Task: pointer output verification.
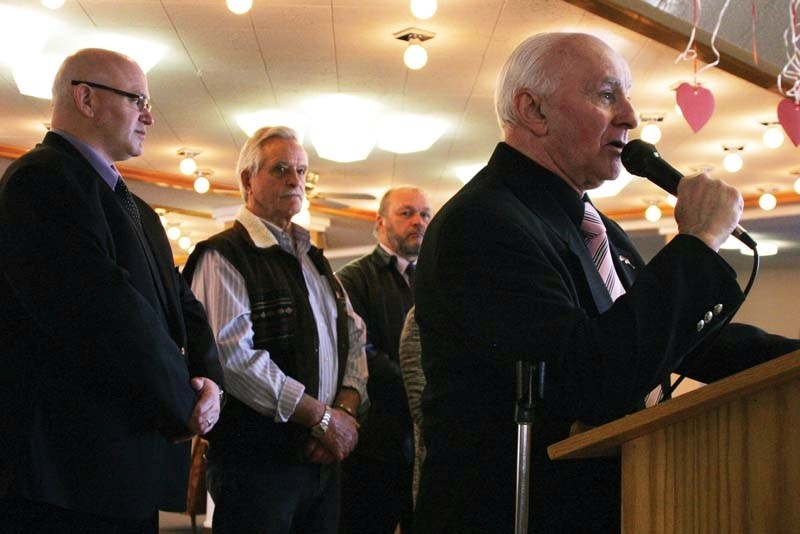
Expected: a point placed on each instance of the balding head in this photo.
(93, 64)
(104, 118)
(563, 100)
(536, 64)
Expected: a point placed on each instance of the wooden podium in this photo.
(723, 458)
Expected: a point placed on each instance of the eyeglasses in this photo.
(142, 102)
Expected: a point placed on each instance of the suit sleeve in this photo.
(63, 261)
(385, 381)
(202, 349)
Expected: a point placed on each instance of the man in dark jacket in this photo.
(377, 478)
(506, 274)
(107, 357)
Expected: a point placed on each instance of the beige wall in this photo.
(774, 302)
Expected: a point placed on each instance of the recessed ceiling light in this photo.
(239, 7)
(652, 213)
(423, 9)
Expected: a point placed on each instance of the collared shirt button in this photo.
(700, 325)
(718, 309)
(708, 316)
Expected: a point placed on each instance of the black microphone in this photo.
(642, 159)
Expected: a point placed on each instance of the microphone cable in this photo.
(753, 273)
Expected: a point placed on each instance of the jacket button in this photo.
(708, 316)
(183, 351)
(700, 325)
(718, 309)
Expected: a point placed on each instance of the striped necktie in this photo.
(594, 235)
(596, 240)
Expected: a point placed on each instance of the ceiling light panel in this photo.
(406, 133)
(344, 127)
(250, 122)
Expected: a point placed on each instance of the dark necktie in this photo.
(410, 270)
(127, 201)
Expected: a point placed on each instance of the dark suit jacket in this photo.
(99, 338)
(503, 276)
(381, 296)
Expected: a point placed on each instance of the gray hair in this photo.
(529, 66)
(250, 155)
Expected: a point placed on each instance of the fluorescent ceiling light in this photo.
(731, 244)
(765, 248)
(52, 4)
(250, 122)
(406, 133)
(465, 173)
(34, 76)
(23, 33)
(343, 128)
(146, 53)
(611, 188)
(31, 46)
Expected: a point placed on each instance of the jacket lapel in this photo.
(54, 140)
(538, 199)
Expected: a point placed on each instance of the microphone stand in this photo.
(530, 397)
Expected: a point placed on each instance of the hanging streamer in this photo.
(714, 39)
(789, 107)
(690, 54)
(753, 30)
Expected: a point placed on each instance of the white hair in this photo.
(250, 155)
(529, 66)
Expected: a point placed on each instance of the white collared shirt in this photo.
(250, 374)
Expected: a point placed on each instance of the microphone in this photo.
(642, 159)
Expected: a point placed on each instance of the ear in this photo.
(82, 96)
(528, 106)
(245, 177)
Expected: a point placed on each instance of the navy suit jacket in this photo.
(99, 336)
(504, 275)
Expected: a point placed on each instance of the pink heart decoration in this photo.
(789, 117)
(697, 105)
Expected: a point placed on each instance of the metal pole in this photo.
(529, 391)
(523, 477)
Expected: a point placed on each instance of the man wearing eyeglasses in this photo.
(107, 357)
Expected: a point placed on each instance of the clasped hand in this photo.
(337, 443)
(206, 410)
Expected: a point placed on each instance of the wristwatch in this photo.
(320, 428)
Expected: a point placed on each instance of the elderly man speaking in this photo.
(519, 265)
